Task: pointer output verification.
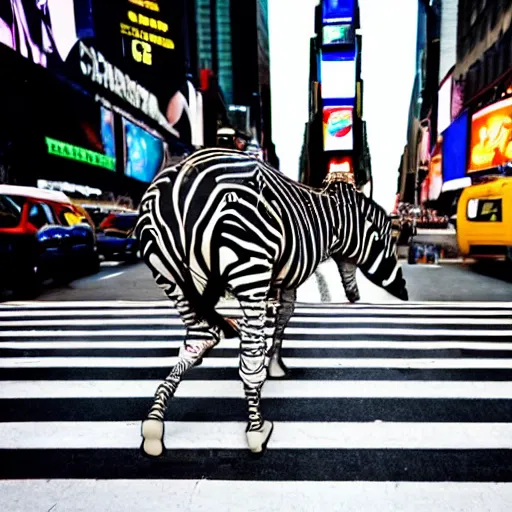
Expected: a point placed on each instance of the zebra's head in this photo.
(365, 237)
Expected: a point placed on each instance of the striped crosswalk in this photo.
(378, 393)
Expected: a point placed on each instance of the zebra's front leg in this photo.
(257, 333)
(276, 368)
(200, 338)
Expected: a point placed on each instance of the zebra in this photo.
(222, 220)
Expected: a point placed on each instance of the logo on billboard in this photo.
(338, 125)
(491, 137)
(94, 65)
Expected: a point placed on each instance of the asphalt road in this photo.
(444, 282)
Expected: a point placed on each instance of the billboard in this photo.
(338, 75)
(444, 115)
(338, 34)
(336, 11)
(81, 131)
(143, 152)
(491, 137)
(338, 128)
(455, 149)
(131, 52)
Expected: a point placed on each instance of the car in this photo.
(116, 238)
(42, 235)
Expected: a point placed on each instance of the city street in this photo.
(406, 401)
(444, 282)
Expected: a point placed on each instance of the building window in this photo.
(224, 53)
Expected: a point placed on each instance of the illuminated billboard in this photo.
(336, 11)
(81, 131)
(338, 34)
(444, 116)
(130, 52)
(338, 75)
(491, 137)
(338, 128)
(144, 152)
(455, 148)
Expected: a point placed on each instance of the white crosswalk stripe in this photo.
(418, 392)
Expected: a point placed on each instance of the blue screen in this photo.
(334, 11)
(455, 149)
(144, 153)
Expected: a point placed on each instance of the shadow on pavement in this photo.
(496, 269)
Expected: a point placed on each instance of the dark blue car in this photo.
(116, 239)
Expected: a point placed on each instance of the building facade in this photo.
(335, 139)
(472, 104)
(234, 55)
(103, 94)
(96, 93)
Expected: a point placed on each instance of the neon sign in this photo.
(94, 65)
(142, 40)
(86, 156)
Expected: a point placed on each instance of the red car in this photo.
(42, 235)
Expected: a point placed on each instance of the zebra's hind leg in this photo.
(256, 339)
(276, 368)
(199, 339)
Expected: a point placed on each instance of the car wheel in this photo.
(93, 266)
(29, 285)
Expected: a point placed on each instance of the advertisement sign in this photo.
(338, 34)
(338, 128)
(132, 52)
(491, 137)
(336, 11)
(444, 116)
(338, 75)
(144, 152)
(81, 131)
(455, 148)
(341, 164)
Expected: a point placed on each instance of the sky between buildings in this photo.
(389, 47)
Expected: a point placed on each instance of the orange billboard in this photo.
(491, 137)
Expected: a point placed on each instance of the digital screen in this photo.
(65, 150)
(144, 153)
(338, 128)
(338, 75)
(338, 34)
(81, 131)
(491, 137)
(341, 164)
(455, 147)
(335, 11)
(444, 116)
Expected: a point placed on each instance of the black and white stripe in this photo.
(225, 221)
(422, 393)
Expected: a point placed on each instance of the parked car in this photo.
(116, 238)
(42, 235)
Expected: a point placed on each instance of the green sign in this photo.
(65, 150)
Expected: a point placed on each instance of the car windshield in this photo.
(10, 211)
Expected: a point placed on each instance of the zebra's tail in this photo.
(204, 305)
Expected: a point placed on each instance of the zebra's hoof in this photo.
(277, 369)
(258, 439)
(153, 438)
